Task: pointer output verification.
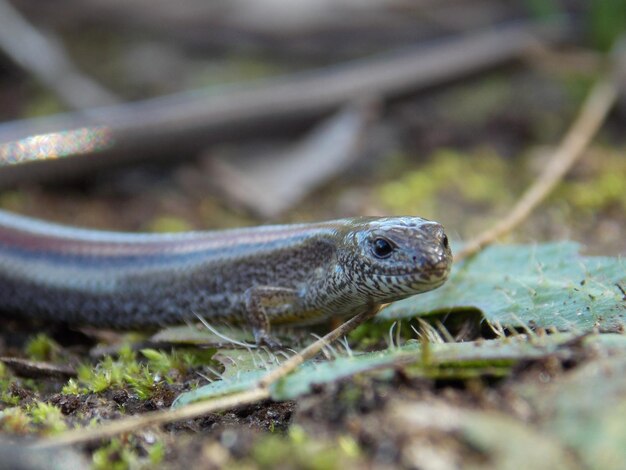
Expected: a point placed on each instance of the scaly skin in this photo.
(296, 274)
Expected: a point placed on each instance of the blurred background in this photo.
(163, 116)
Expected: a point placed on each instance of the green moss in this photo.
(600, 187)
(48, 417)
(42, 348)
(123, 454)
(15, 421)
(72, 388)
(108, 372)
(7, 398)
(299, 450)
(370, 334)
(100, 377)
(156, 453)
(349, 446)
(178, 361)
(478, 178)
(39, 417)
(367, 334)
(160, 360)
(144, 383)
(297, 435)
(6, 380)
(114, 456)
(112, 372)
(607, 189)
(143, 377)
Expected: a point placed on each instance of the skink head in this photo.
(393, 257)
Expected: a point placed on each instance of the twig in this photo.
(132, 423)
(273, 182)
(260, 392)
(188, 121)
(43, 56)
(37, 369)
(311, 350)
(592, 114)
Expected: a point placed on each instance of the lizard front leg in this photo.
(264, 302)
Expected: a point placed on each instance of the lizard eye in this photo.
(382, 248)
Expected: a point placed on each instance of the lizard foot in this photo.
(263, 338)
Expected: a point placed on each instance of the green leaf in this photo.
(240, 383)
(450, 360)
(238, 361)
(545, 285)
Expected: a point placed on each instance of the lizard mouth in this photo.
(431, 277)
